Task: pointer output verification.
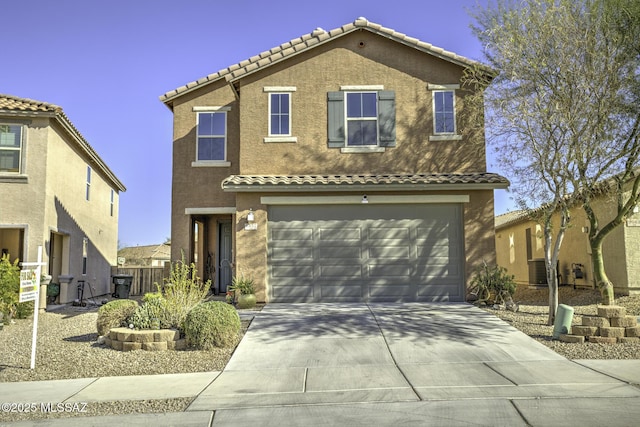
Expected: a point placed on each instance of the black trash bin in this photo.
(122, 286)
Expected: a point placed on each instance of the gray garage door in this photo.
(334, 253)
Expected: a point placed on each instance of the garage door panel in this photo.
(388, 233)
(389, 270)
(366, 252)
(387, 251)
(333, 272)
(289, 253)
(294, 234)
(339, 252)
(297, 290)
(341, 234)
(294, 271)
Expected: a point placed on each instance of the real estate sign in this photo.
(29, 284)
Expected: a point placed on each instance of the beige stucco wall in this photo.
(68, 212)
(51, 198)
(314, 74)
(620, 249)
(199, 187)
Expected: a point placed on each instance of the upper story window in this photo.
(88, 192)
(444, 112)
(211, 144)
(444, 115)
(361, 119)
(11, 148)
(280, 113)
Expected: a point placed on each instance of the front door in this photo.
(225, 256)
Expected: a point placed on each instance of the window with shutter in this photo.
(361, 118)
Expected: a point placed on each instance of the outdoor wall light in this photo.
(250, 216)
(585, 230)
(364, 199)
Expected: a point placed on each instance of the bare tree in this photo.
(562, 111)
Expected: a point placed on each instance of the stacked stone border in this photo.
(612, 325)
(125, 339)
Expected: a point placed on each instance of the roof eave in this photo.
(295, 188)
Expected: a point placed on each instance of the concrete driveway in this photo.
(411, 357)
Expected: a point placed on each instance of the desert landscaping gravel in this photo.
(68, 348)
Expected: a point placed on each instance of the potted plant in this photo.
(244, 292)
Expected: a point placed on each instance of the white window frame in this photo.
(88, 191)
(444, 136)
(280, 90)
(19, 149)
(347, 119)
(112, 202)
(212, 163)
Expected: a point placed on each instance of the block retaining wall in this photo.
(125, 339)
(610, 326)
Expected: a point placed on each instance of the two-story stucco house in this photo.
(332, 168)
(56, 192)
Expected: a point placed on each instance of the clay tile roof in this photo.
(509, 218)
(347, 182)
(8, 102)
(308, 41)
(15, 105)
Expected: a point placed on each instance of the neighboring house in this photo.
(145, 256)
(332, 168)
(56, 192)
(520, 249)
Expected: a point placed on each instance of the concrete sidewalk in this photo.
(376, 364)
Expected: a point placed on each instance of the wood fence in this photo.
(144, 278)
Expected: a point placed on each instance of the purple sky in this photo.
(107, 62)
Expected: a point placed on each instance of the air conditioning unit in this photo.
(537, 272)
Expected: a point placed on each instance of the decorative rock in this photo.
(633, 331)
(129, 346)
(142, 336)
(610, 311)
(612, 332)
(166, 335)
(585, 331)
(572, 338)
(124, 335)
(624, 322)
(155, 346)
(603, 340)
(595, 321)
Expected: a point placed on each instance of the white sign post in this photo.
(30, 291)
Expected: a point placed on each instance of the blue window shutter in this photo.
(335, 119)
(387, 118)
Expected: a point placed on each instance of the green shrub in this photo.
(494, 283)
(115, 314)
(152, 314)
(212, 324)
(182, 291)
(10, 291)
(242, 285)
